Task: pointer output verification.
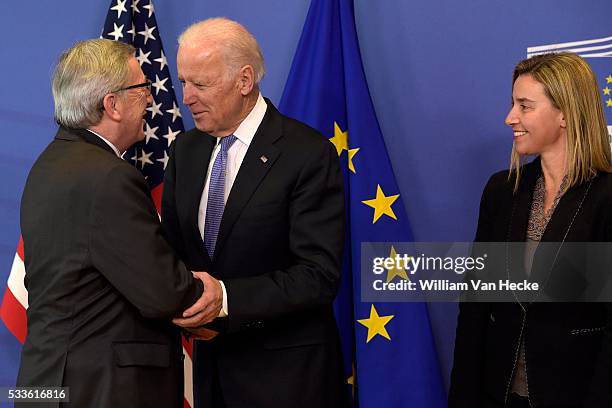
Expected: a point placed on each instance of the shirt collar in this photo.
(246, 130)
(112, 146)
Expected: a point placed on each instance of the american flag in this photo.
(132, 22)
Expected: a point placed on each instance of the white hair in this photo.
(84, 75)
(237, 44)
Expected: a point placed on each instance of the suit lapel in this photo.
(555, 233)
(564, 213)
(259, 159)
(517, 229)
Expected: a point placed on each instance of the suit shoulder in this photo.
(190, 141)
(103, 166)
(602, 185)
(498, 190)
(189, 137)
(79, 159)
(604, 178)
(302, 134)
(499, 181)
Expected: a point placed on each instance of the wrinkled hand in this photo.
(207, 308)
(200, 333)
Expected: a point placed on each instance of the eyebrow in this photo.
(521, 100)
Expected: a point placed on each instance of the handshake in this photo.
(205, 310)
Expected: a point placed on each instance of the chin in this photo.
(523, 150)
(203, 128)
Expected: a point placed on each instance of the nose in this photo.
(512, 118)
(188, 96)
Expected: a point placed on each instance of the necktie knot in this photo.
(227, 142)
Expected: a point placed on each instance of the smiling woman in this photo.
(539, 127)
(566, 112)
(503, 354)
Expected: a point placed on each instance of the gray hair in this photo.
(237, 44)
(84, 75)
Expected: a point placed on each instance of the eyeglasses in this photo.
(146, 85)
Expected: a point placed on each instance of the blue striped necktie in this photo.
(216, 193)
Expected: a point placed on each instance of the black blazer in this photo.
(278, 253)
(568, 346)
(102, 282)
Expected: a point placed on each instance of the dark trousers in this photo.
(516, 401)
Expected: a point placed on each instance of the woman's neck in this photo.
(554, 168)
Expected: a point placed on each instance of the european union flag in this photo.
(602, 66)
(388, 347)
(598, 53)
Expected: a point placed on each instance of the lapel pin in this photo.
(263, 159)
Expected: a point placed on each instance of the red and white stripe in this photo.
(15, 300)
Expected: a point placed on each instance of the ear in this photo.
(562, 121)
(246, 80)
(110, 107)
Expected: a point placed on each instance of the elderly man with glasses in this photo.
(102, 282)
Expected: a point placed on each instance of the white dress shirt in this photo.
(244, 135)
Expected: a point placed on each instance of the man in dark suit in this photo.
(102, 282)
(256, 199)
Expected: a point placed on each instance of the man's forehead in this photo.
(135, 69)
(200, 63)
(201, 50)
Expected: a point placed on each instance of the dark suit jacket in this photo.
(102, 281)
(568, 346)
(278, 253)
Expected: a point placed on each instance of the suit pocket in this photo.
(136, 354)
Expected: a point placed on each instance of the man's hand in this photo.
(200, 333)
(207, 308)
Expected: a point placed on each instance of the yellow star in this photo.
(376, 324)
(393, 272)
(609, 79)
(351, 379)
(609, 102)
(382, 204)
(606, 91)
(351, 154)
(340, 139)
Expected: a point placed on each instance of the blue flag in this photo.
(389, 351)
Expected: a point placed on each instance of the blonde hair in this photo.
(571, 86)
(237, 44)
(84, 75)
